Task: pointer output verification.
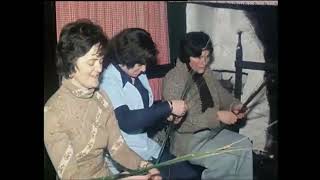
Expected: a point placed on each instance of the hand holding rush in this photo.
(231, 117)
(239, 110)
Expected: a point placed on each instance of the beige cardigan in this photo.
(78, 127)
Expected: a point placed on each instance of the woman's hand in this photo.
(179, 107)
(154, 174)
(227, 117)
(175, 119)
(236, 110)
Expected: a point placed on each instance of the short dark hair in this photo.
(193, 44)
(132, 46)
(76, 39)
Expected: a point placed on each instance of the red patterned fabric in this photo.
(115, 16)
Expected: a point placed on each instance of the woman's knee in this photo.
(245, 142)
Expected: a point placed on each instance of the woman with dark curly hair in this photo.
(79, 122)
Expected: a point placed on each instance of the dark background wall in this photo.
(265, 22)
(176, 26)
(51, 82)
